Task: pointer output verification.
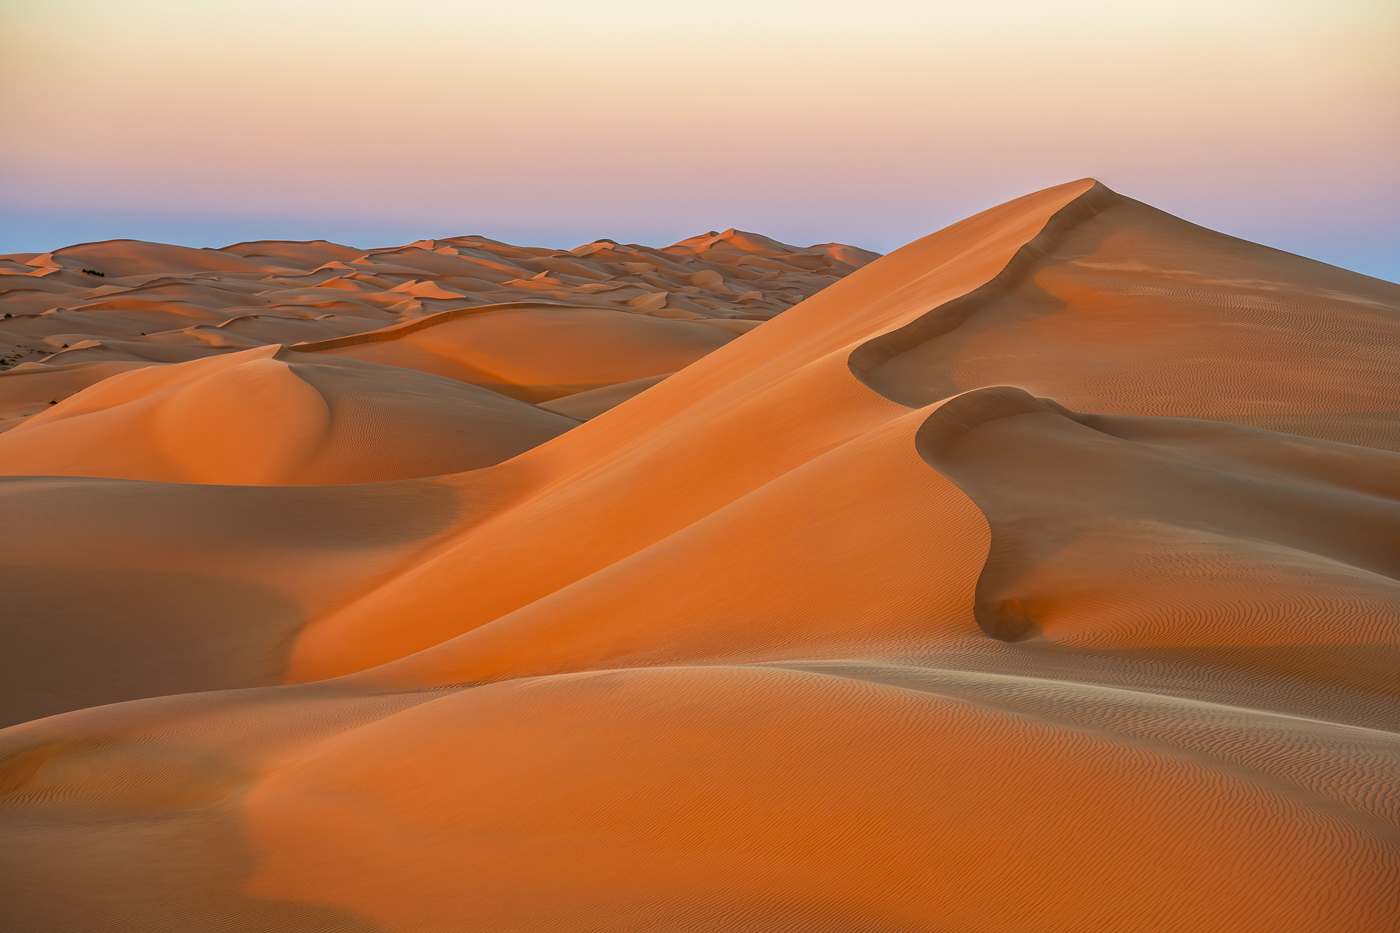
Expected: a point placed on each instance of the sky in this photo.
(555, 123)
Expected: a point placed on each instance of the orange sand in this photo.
(1040, 575)
(270, 417)
(533, 325)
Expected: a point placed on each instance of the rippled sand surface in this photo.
(1041, 575)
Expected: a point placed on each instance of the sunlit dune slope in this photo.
(1037, 576)
(29, 388)
(266, 417)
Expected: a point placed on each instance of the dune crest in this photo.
(1038, 575)
(271, 417)
(1120, 308)
(553, 322)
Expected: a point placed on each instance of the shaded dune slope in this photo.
(537, 352)
(271, 417)
(838, 627)
(1217, 545)
(1120, 308)
(120, 590)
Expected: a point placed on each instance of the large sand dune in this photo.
(1039, 576)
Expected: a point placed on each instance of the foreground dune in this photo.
(1037, 576)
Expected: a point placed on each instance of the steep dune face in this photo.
(1121, 308)
(1167, 538)
(837, 627)
(722, 429)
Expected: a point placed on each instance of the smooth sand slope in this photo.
(270, 417)
(1037, 576)
(538, 353)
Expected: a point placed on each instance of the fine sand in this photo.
(535, 325)
(1038, 576)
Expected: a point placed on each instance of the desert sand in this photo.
(528, 324)
(1038, 576)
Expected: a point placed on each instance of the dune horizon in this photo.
(1038, 575)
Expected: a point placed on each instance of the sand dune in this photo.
(591, 403)
(1037, 576)
(270, 417)
(1121, 308)
(535, 325)
(132, 300)
(30, 388)
(536, 352)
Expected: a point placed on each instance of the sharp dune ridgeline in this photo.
(1041, 575)
(231, 405)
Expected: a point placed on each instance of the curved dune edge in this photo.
(130, 303)
(589, 404)
(538, 353)
(1120, 308)
(771, 701)
(717, 409)
(267, 417)
(865, 358)
(1215, 544)
(938, 436)
(606, 492)
(395, 331)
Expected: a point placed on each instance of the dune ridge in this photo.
(395, 331)
(952, 314)
(153, 303)
(984, 589)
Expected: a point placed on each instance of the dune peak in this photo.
(727, 585)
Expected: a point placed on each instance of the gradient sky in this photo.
(204, 122)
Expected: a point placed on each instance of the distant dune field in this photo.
(1042, 575)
